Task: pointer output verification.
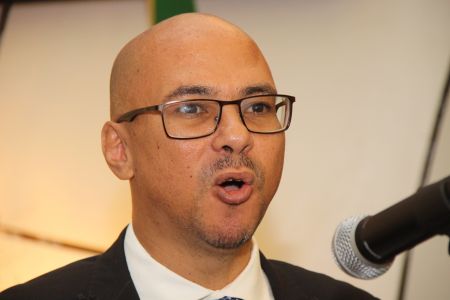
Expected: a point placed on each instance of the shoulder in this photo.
(96, 277)
(63, 283)
(310, 285)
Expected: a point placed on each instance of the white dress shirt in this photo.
(153, 281)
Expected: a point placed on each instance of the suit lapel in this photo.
(276, 284)
(111, 279)
(281, 289)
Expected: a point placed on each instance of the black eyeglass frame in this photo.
(131, 115)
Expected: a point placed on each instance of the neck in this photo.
(196, 261)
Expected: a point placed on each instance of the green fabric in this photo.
(167, 8)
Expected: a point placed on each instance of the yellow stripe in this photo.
(152, 11)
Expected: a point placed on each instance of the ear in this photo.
(115, 151)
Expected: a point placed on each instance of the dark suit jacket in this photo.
(106, 277)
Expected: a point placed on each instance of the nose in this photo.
(232, 136)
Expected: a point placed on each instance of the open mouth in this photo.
(234, 188)
(232, 184)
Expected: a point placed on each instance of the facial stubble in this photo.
(223, 234)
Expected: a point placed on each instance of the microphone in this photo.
(365, 247)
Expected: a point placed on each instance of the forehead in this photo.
(221, 64)
(220, 68)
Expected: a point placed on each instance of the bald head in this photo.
(188, 43)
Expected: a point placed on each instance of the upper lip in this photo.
(245, 176)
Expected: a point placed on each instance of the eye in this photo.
(191, 109)
(259, 108)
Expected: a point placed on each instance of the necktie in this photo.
(230, 298)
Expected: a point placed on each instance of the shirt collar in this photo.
(154, 281)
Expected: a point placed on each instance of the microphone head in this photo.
(347, 255)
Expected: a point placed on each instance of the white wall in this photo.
(367, 76)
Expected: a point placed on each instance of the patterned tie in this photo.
(229, 298)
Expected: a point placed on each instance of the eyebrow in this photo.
(258, 89)
(201, 90)
(186, 90)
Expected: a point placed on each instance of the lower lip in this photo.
(234, 197)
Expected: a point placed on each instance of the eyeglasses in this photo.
(196, 118)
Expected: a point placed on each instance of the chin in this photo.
(227, 242)
(228, 229)
(229, 237)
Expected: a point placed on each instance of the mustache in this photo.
(230, 162)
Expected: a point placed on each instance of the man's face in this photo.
(213, 189)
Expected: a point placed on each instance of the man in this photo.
(202, 174)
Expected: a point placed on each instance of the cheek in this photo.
(271, 156)
(272, 151)
(173, 163)
(163, 179)
(183, 157)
